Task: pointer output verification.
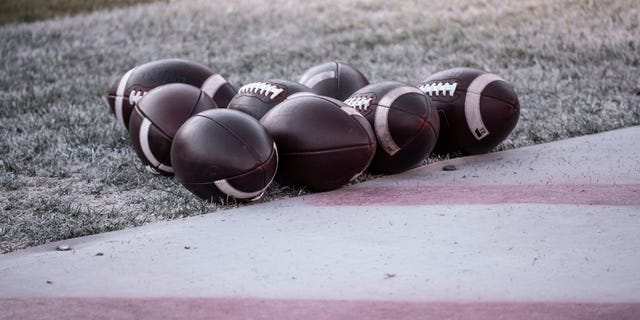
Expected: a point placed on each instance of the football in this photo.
(224, 153)
(127, 90)
(477, 109)
(218, 89)
(405, 123)
(333, 79)
(158, 116)
(323, 144)
(257, 98)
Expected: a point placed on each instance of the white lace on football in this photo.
(135, 96)
(262, 88)
(434, 89)
(361, 103)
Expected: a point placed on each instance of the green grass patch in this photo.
(67, 168)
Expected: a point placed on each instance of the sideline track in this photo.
(550, 231)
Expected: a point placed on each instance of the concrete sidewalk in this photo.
(544, 232)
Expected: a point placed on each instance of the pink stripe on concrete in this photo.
(226, 308)
(586, 194)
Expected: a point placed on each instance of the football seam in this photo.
(512, 105)
(464, 93)
(160, 163)
(264, 89)
(196, 104)
(144, 116)
(425, 122)
(363, 130)
(404, 111)
(253, 153)
(258, 166)
(321, 151)
(433, 130)
(255, 98)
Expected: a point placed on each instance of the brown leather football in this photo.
(405, 124)
(323, 143)
(223, 153)
(333, 79)
(158, 116)
(127, 90)
(257, 98)
(477, 109)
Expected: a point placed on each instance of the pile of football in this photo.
(319, 132)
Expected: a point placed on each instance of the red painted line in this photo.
(227, 308)
(587, 194)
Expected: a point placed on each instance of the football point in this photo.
(541, 232)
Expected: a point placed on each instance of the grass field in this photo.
(67, 168)
(12, 11)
